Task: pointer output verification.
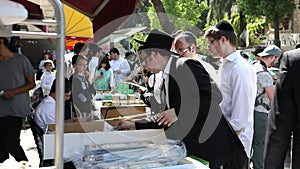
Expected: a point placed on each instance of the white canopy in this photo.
(12, 12)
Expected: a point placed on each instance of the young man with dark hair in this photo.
(238, 84)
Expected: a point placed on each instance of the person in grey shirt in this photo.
(17, 78)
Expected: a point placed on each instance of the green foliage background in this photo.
(198, 15)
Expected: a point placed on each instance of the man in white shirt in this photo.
(119, 66)
(238, 82)
(45, 112)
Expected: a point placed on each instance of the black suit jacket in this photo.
(201, 124)
(284, 117)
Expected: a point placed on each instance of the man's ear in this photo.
(223, 39)
(193, 48)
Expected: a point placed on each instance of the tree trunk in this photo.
(163, 18)
(243, 25)
(276, 32)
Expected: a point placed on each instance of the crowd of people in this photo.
(224, 107)
(240, 88)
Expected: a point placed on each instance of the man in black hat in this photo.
(191, 110)
(238, 82)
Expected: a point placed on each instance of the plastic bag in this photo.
(131, 155)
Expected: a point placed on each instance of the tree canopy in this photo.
(268, 8)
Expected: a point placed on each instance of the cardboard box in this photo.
(83, 127)
(75, 142)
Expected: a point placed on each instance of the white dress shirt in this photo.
(238, 86)
(122, 65)
(165, 76)
(156, 84)
(45, 113)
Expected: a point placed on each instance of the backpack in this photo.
(259, 97)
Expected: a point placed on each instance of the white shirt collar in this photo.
(167, 68)
(232, 56)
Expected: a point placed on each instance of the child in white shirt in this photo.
(47, 77)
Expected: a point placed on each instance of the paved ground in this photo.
(28, 144)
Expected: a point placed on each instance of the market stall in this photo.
(58, 144)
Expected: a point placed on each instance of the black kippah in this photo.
(225, 25)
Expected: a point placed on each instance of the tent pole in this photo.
(60, 83)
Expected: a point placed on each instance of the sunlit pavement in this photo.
(28, 144)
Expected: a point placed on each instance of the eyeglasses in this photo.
(182, 51)
(143, 56)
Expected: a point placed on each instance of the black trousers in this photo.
(10, 130)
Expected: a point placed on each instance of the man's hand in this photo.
(126, 125)
(8, 94)
(167, 117)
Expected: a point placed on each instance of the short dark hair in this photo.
(68, 86)
(5, 41)
(78, 47)
(114, 50)
(74, 59)
(223, 28)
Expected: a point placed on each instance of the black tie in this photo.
(163, 95)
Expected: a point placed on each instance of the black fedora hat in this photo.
(157, 39)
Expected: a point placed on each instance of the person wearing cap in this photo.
(47, 77)
(264, 97)
(190, 105)
(284, 116)
(238, 84)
